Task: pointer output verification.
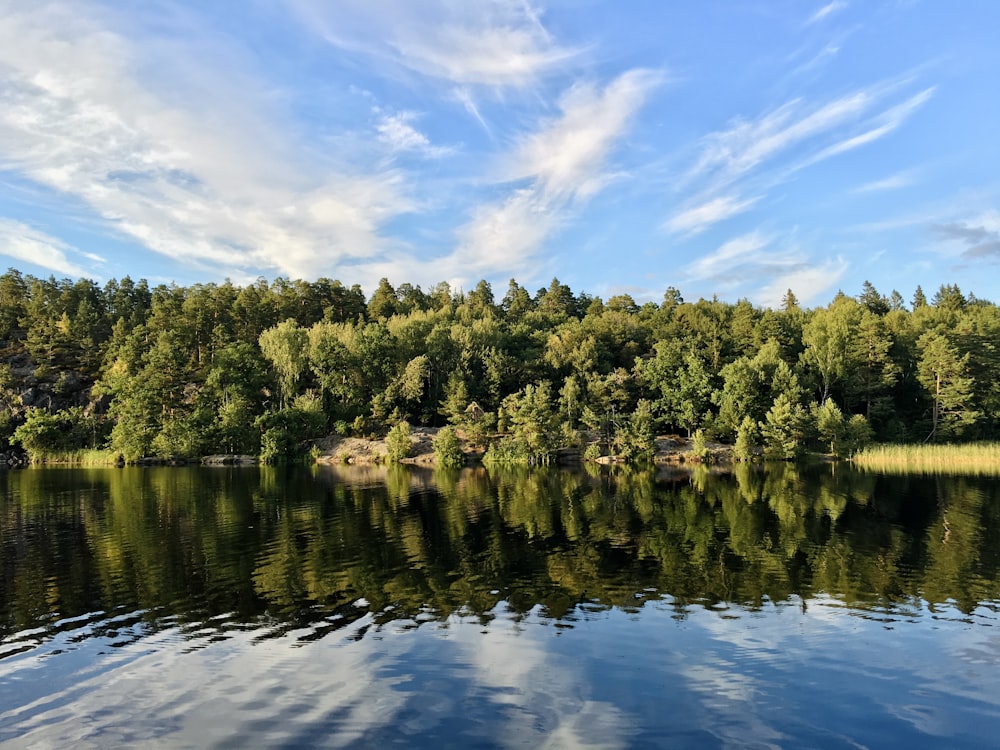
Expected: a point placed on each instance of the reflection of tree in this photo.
(303, 547)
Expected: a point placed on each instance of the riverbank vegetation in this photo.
(969, 458)
(263, 369)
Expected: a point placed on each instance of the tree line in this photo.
(177, 372)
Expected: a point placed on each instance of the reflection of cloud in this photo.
(519, 666)
(780, 675)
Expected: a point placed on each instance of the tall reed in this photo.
(967, 458)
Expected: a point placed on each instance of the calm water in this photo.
(172, 607)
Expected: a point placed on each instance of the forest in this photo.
(263, 369)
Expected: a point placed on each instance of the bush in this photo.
(747, 437)
(397, 443)
(447, 451)
(859, 433)
(699, 446)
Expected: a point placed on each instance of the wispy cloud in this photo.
(751, 157)
(892, 182)
(24, 243)
(728, 256)
(397, 133)
(826, 11)
(563, 163)
(212, 181)
(740, 264)
(811, 282)
(492, 43)
(696, 218)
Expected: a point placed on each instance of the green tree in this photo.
(830, 426)
(747, 439)
(785, 429)
(286, 347)
(827, 338)
(943, 374)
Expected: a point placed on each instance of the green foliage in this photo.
(40, 434)
(447, 451)
(943, 372)
(179, 371)
(44, 435)
(634, 438)
(533, 422)
(283, 431)
(831, 428)
(785, 429)
(747, 440)
(858, 434)
(699, 446)
(398, 443)
(286, 347)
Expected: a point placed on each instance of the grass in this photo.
(967, 458)
(84, 457)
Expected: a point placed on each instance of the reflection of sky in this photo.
(780, 677)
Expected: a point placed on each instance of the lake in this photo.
(367, 607)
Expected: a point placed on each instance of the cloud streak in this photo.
(826, 11)
(738, 166)
(735, 265)
(24, 243)
(498, 43)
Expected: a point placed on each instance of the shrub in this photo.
(447, 451)
(747, 437)
(699, 446)
(397, 443)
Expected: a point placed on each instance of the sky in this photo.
(735, 149)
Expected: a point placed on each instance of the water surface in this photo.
(173, 607)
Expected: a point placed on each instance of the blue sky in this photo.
(733, 148)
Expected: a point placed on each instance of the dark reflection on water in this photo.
(343, 607)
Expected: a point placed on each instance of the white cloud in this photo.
(886, 123)
(206, 177)
(563, 162)
(728, 255)
(21, 242)
(753, 156)
(809, 281)
(893, 182)
(826, 11)
(493, 43)
(697, 218)
(397, 133)
(763, 267)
